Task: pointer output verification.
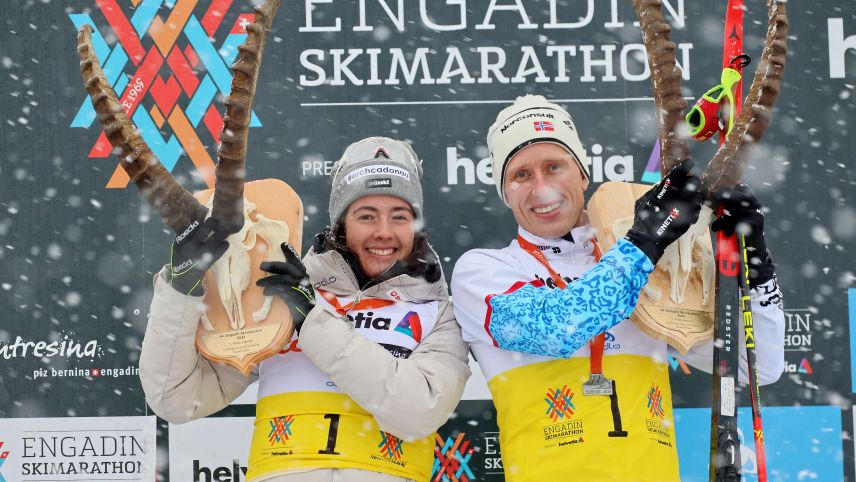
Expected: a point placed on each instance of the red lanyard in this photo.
(366, 304)
(596, 344)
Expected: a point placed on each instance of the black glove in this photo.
(666, 211)
(742, 213)
(289, 281)
(194, 251)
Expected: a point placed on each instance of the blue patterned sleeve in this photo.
(557, 323)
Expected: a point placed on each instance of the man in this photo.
(529, 309)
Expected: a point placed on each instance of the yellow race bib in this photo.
(329, 430)
(549, 430)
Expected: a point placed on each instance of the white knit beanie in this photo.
(529, 120)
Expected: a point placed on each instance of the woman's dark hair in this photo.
(422, 261)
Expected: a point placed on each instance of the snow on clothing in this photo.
(547, 427)
(385, 408)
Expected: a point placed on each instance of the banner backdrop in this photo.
(78, 246)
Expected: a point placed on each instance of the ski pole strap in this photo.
(597, 343)
(739, 62)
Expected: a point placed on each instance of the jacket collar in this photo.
(330, 271)
(579, 243)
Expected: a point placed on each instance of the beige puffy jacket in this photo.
(408, 397)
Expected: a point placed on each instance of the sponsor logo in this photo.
(657, 425)
(554, 249)
(839, 45)
(662, 192)
(367, 320)
(803, 367)
(187, 231)
(376, 169)
(672, 216)
(390, 446)
(452, 458)
(148, 50)
(111, 372)
(65, 347)
(524, 117)
(464, 170)
(559, 403)
(324, 282)
(280, 430)
(655, 403)
(411, 326)
(373, 183)
(610, 342)
(183, 266)
(543, 126)
(235, 473)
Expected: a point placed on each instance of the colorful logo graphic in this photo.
(559, 403)
(805, 367)
(675, 364)
(655, 402)
(280, 429)
(390, 446)
(543, 126)
(411, 326)
(451, 459)
(652, 168)
(196, 71)
(3, 457)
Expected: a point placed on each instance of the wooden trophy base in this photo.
(677, 305)
(244, 347)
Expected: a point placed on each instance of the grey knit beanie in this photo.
(376, 166)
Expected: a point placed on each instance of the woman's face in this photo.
(379, 230)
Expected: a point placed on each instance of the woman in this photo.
(379, 364)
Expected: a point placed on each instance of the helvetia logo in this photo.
(803, 367)
(225, 474)
(411, 326)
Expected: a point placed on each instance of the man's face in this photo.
(544, 187)
(379, 230)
